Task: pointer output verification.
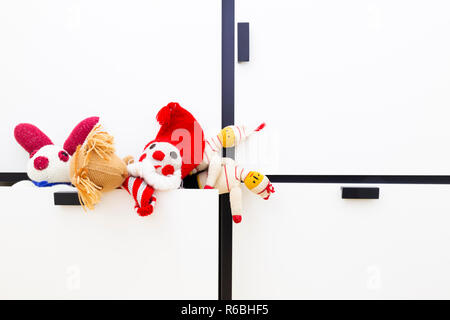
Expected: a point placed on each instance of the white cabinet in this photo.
(61, 252)
(346, 87)
(306, 243)
(63, 60)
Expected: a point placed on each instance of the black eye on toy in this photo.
(173, 155)
(152, 146)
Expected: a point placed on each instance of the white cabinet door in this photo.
(63, 60)
(346, 87)
(308, 243)
(61, 252)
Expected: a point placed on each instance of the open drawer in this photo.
(307, 242)
(61, 252)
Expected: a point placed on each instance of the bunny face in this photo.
(49, 164)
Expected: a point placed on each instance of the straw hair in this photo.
(88, 192)
(100, 142)
(95, 168)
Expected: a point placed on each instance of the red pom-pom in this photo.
(237, 218)
(166, 113)
(208, 187)
(261, 126)
(145, 211)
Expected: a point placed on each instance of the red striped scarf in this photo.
(142, 194)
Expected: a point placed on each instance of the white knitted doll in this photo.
(212, 156)
(229, 177)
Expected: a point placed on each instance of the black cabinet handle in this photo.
(360, 193)
(66, 199)
(9, 178)
(243, 41)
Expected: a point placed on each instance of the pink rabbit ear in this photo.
(79, 134)
(30, 137)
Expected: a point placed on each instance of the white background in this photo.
(62, 61)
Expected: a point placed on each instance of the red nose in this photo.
(158, 155)
(40, 163)
(167, 170)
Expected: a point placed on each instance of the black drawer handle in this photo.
(243, 41)
(66, 199)
(360, 193)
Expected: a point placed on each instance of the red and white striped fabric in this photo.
(142, 194)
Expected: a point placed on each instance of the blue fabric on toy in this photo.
(48, 184)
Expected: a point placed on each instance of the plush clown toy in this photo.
(166, 160)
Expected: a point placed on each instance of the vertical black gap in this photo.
(225, 221)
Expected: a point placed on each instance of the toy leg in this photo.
(214, 169)
(236, 203)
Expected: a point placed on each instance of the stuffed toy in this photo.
(142, 193)
(176, 150)
(224, 174)
(49, 164)
(228, 180)
(95, 168)
(212, 157)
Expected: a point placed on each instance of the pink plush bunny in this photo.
(49, 164)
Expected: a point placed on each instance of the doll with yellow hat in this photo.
(224, 174)
(230, 177)
(228, 137)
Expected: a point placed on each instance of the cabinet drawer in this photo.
(61, 252)
(307, 242)
(346, 87)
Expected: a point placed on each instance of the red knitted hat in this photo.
(181, 129)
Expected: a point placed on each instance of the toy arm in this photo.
(134, 169)
(232, 136)
(139, 169)
(128, 160)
